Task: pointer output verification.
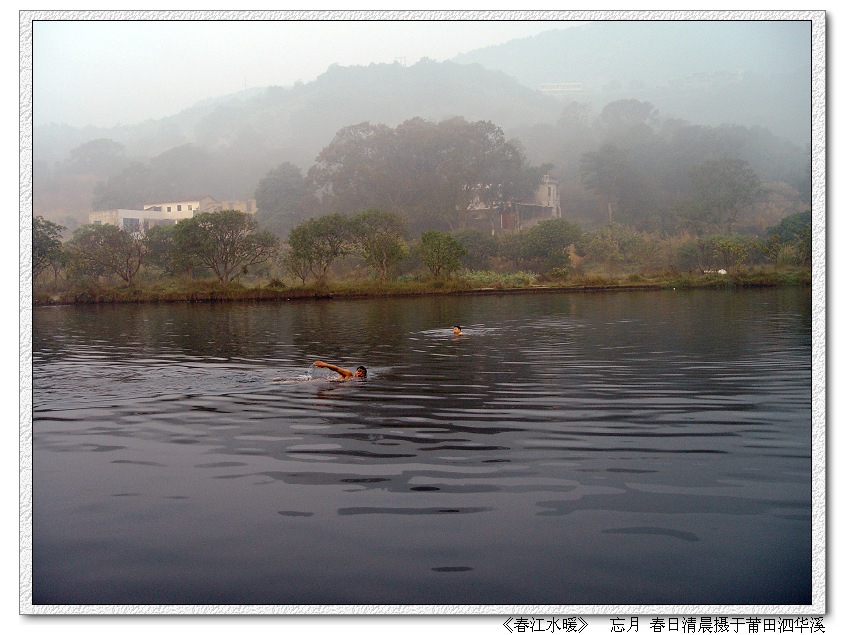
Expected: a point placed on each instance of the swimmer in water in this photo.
(360, 372)
(457, 330)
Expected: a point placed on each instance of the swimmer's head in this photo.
(360, 372)
(456, 330)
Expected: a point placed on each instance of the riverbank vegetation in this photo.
(225, 256)
(455, 206)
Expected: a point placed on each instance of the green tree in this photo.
(381, 237)
(513, 247)
(804, 244)
(481, 248)
(226, 242)
(795, 231)
(688, 255)
(317, 243)
(626, 114)
(97, 250)
(548, 243)
(617, 245)
(478, 166)
(165, 249)
(46, 244)
(440, 252)
(789, 229)
(731, 252)
(284, 199)
(296, 262)
(357, 169)
(600, 247)
(722, 189)
(772, 248)
(605, 172)
(430, 173)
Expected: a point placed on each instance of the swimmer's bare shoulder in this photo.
(343, 372)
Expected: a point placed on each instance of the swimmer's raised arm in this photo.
(343, 372)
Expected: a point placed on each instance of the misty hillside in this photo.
(748, 73)
(705, 74)
(649, 51)
(299, 121)
(753, 73)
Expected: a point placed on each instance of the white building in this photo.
(562, 89)
(543, 204)
(167, 213)
(131, 220)
(190, 208)
(179, 210)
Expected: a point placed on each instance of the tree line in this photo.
(406, 201)
(230, 246)
(225, 244)
(626, 165)
(433, 174)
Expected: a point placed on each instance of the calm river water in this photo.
(574, 448)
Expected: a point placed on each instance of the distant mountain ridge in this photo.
(753, 74)
(649, 51)
(302, 119)
(751, 65)
(709, 72)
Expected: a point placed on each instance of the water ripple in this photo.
(577, 442)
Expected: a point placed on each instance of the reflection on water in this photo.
(614, 448)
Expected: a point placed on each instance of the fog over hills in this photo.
(302, 119)
(649, 51)
(754, 74)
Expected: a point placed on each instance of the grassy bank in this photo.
(471, 282)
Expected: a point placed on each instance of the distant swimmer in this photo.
(343, 372)
(457, 330)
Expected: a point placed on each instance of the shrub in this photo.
(558, 273)
(497, 280)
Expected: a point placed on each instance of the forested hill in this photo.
(295, 123)
(751, 73)
(222, 147)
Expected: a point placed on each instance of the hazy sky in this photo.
(106, 73)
